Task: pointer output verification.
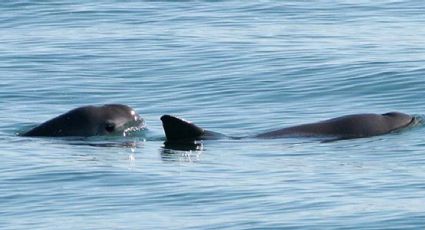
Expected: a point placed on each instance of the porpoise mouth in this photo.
(416, 120)
(133, 126)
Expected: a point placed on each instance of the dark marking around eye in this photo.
(110, 127)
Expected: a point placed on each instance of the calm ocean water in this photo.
(237, 67)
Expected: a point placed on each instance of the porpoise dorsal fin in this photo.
(178, 129)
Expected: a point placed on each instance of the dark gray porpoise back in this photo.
(350, 126)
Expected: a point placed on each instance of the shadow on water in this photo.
(130, 138)
(108, 144)
(181, 151)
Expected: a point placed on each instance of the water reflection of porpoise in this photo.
(345, 127)
(90, 121)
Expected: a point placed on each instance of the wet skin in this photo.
(345, 127)
(110, 119)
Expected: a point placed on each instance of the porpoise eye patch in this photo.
(109, 127)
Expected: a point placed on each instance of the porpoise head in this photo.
(397, 120)
(109, 119)
(117, 119)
